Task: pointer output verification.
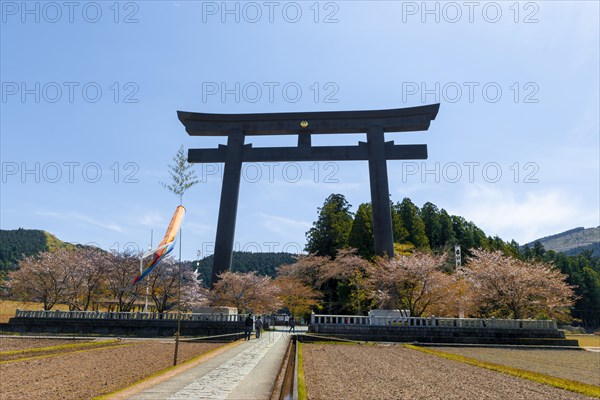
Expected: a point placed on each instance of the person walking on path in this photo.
(259, 326)
(292, 324)
(248, 325)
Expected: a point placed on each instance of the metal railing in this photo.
(321, 319)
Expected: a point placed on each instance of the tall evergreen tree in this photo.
(464, 236)
(361, 234)
(331, 230)
(538, 249)
(413, 223)
(512, 249)
(430, 215)
(400, 234)
(447, 236)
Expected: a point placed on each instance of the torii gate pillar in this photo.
(380, 193)
(230, 192)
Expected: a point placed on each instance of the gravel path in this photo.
(392, 372)
(582, 366)
(86, 374)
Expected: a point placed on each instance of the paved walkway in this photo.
(245, 372)
(592, 349)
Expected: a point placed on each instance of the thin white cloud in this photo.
(150, 220)
(525, 217)
(82, 218)
(198, 228)
(282, 225)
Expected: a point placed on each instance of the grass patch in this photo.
(586, 340)
(57, 348)
(301, 381)
(573, 386)
(8, 308)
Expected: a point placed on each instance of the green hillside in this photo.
(262, 263)
(20, 243)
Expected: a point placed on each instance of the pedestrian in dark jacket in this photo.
(248, 325)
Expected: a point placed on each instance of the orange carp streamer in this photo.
(165, 246)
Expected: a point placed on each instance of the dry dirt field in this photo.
(12, 344)
(393, 372)
(85, 373)
(582, 366)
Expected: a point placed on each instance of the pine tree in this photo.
(361, 234)
(447, 237)
(430, 215)
(331, 230)
(182, 174)
(413, 223)
(399, 232)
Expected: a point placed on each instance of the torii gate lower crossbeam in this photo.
(376, 151)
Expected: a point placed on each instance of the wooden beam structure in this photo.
(375, 150)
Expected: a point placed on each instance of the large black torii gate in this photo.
(376, 150)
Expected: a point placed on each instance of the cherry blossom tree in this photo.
(162, 283)
(43, 278)
(193, 293)
(341, 280)
(410, 282)
(458, 299)
(307, 269)
(296, 296)
(121, 270)
(248, 292)
(163, 286)
(86, 284)
(510, 288)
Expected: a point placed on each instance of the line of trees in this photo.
(426, 228)
(341, 274)
(89, 278)
(491, 285)
(432, 230)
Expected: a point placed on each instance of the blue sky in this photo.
(90, 92)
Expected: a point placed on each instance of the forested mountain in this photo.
(572, 242)
(262, 263)
(20, 243)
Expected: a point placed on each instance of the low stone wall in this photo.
(121, 324)
(139, 316)
(143, 328)
(485, 323)
(444, 334)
